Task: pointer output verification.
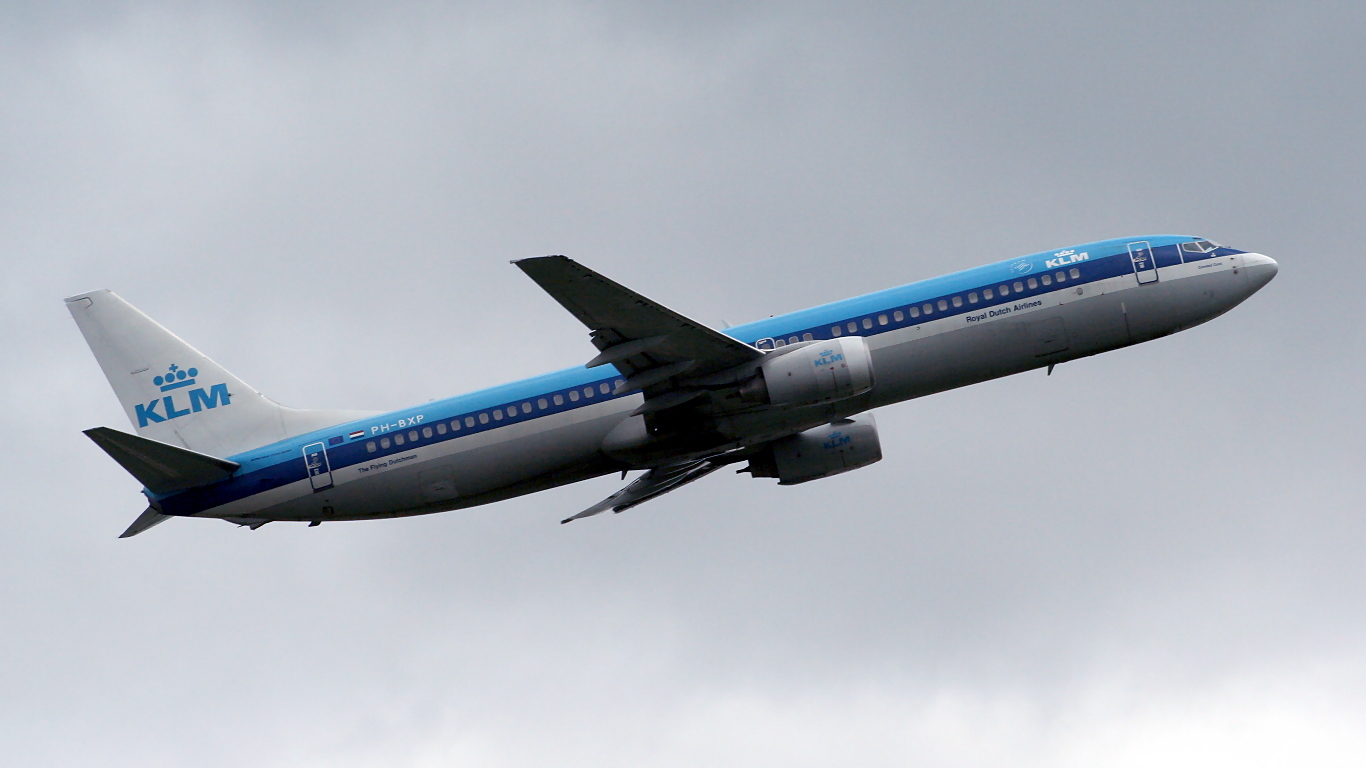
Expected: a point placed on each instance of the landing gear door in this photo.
(1145, 266)
(319, 470)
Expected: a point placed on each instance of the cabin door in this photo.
(319, 469)
(1145, 266)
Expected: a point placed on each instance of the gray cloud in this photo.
(1152, 555)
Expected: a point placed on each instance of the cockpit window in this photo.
(1199, 246)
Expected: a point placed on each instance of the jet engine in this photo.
(820, 452)
(814, 373)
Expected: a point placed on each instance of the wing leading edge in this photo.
(653, 346)
(670, 358)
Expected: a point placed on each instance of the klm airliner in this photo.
(790, 396)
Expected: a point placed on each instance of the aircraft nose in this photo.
(1260, 269)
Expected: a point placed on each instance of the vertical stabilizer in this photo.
(174, 394)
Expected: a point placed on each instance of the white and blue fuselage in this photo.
(924, 337)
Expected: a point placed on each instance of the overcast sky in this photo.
(1154, 556)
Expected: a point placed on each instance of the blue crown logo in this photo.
(175, 378)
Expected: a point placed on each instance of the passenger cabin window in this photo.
(792, 340)
(413, 435)
(1018, 286)
(881, 319)
(867, 323)
(972, 297)
(483, 418)
(441, 427)
(605, 388)
(986, 294)
(455, 425)
(927, 309)
(764, 344)
(497, 414)
(779, 343)
(1033, 283)
(1004, 290)
(426, 431)
(958, 301)
(915, 311)
(384, 442)
(588, 392)
(573, 395)
(1061, 276)
(1046, 279)
(853, 327)
(835, 330)
(469, 421)
(370, 446)
(559, 400)
(805, 337)
(1074, 272)
(898, 316)
(398, 439)
(943, 305)
(542, 404)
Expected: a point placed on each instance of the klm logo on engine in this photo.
(1063, 258)
(828, 357)
(836, 440)
(177, 378)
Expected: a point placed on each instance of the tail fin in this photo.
(174, 394)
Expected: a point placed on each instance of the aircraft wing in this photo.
(657, 481)
(653, 346)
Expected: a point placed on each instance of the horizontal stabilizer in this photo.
(160, 467)
(145, 520)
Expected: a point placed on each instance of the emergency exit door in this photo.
(1145, 266)
(319, 470)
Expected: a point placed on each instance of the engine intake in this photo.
(820, 452)
(815, 373)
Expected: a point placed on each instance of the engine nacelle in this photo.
(820, 452)
(817, 373)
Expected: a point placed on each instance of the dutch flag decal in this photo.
(358, 434)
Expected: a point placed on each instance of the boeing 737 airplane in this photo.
(790, 395)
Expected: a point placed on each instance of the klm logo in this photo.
(1063, 258)
(828, 357)
(180, 378)
(836, 440)
(1021, 267)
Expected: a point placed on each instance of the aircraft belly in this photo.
(488, 466)
(954, 352)
(1182, 302)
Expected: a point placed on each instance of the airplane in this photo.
(790, 395)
